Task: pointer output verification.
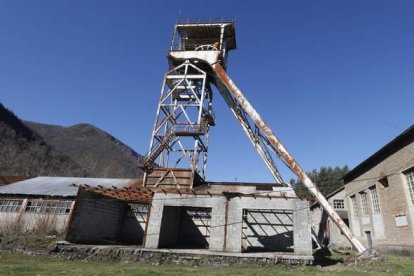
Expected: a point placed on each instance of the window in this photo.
(48, 206)
(12, 205)
(384, 182)
(364, 201)
(354, 206)
(338, 204)
(409, 175)
(138, 210)
(375, 202)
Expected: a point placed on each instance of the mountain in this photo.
(96, 151)
(23, 152)
(30, 149)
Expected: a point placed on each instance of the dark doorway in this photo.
(135, 221)
(369, 239)
(185, 227)
(346, 221)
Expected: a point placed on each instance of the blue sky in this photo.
(334, 79)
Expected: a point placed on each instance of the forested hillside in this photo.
(23, 152)
(96, 151)
(32, 149)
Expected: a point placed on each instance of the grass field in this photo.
(17, 264)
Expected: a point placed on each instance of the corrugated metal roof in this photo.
(62, 186)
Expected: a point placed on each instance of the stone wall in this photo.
(182, 257)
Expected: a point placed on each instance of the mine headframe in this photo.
(197, 60)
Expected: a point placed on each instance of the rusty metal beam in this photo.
(280, 150)
(255, 139)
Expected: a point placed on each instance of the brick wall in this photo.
(393, 200)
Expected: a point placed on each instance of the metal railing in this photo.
(208, 44)
(189, 129)
(216, 20)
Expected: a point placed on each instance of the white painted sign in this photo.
(401, 220)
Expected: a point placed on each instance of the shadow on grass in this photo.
(324, 257)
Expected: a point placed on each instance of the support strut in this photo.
(263, 135)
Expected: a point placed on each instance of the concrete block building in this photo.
(229, 222)
(45, 204)
(219, 217)
(380, 197)
(326, 231)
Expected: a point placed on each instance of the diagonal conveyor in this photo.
(266, 143)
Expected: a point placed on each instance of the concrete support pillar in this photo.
(218, 224)
(152, 237)
(234, 226)
(301, 229)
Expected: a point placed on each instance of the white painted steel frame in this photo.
(181, 125)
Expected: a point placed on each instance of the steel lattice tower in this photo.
(184, 116)
(179, 143)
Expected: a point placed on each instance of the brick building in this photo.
(380, 197)
(324, 228)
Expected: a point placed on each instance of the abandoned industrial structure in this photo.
(226, 217)
(174, 206)
(326, 232)
(380, 197)
(45, 202)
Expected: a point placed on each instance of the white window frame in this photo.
(376, 208)
(10, 205)
(409, 179)
(364, 204)
(354, 206)
(339, 204)
(48, 206)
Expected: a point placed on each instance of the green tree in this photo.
(326, 179)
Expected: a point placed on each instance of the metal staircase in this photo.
(152, 156)
(176, 131)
